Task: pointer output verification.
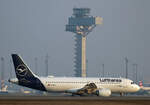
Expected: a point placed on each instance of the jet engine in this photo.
(103, 92)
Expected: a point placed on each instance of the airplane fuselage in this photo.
(62, 84)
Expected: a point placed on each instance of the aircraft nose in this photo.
(137, 88)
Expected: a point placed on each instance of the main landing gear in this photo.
(121, 94)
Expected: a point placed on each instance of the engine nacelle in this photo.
(103, 92)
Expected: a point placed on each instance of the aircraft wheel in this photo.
(121, 94)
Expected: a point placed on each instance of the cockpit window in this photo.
(132, 83)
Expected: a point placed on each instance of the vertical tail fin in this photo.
(21, 69)
(140, 83)
(25, 76)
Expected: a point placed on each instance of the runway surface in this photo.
(68, 100)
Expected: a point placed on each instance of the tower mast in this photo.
(81, 23)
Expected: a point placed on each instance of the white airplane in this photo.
(74, 85)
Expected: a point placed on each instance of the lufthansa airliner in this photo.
(74, 85)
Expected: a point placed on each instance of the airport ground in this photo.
(18, 99)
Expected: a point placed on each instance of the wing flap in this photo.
(88, 89)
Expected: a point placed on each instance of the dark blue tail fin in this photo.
(25, 76)
(21, 69)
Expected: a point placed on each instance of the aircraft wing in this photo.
(145, 88)
(88, 88)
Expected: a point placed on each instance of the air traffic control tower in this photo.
(81, 23)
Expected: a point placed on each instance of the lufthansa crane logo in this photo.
(21, 70)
